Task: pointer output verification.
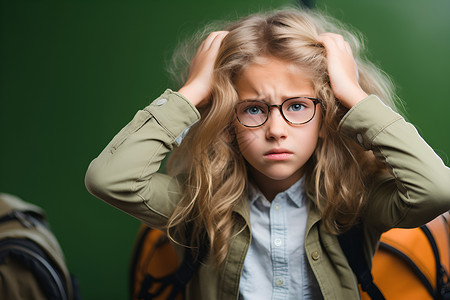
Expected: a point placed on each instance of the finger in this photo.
(217, 41)
(213, 37)
(207, 41)
(348, 48)
(332, 40)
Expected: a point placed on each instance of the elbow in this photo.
(442, 194)
(111, 184)
(97, 182)
(438, 190)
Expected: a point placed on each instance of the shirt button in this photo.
(279, 282)
(315, 255)
(277, 207)
(277, 242)
(161, 102)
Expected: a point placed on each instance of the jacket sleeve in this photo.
(124, 174)
(418, 186)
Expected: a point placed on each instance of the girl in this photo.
(282, 149)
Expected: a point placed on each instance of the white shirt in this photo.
(276, 266)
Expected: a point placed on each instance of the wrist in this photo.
(352, 98)
(190, 94)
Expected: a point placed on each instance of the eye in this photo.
(296, 106)
(253, 110)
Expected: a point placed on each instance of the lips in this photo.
(278, 154)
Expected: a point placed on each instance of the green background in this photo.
(74, 72)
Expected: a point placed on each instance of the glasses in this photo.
(296, 111)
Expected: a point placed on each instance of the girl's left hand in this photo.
(342, 69)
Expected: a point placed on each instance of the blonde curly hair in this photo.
(213, 170)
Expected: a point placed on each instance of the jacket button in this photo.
(161, 102)
(360, 138)
(315, 255)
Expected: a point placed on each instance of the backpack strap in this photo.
(352, 245)
(442, 279)
(39, 263)
(437, 260)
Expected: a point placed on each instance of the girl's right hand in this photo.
(198, 85)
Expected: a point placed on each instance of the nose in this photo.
(276, 126)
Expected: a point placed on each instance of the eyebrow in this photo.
(282, 99)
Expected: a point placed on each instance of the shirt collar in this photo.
(254, 193)
(294, 192)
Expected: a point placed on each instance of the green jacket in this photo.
(416, 190)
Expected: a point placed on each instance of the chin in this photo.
(281, 176)
(277, 174)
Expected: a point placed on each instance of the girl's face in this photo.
(276, 151)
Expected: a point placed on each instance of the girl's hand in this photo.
(342, 69)
(198, 85)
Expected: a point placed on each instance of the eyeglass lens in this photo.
(254, 113)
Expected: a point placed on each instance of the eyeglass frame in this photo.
(314, 100)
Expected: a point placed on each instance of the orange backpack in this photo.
(154, 271)
(414, 263)
(409, 264)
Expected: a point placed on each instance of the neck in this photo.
(271, 187)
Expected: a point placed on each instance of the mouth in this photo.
(278, 154)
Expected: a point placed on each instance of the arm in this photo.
(124, 174)
(418, 186)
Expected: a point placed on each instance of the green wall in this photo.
(74, 72)
(410, 40)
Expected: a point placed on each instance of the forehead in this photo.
(273, 79)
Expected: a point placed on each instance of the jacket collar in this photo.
(313, 214)
(243, 209)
